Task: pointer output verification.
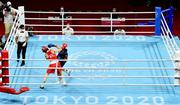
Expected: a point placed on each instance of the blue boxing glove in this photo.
(51, 45)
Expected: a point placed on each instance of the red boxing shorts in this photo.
(53, 67)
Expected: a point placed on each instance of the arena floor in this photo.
(98, 47)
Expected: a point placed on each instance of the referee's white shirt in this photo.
(21, 34)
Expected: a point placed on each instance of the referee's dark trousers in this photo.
(22, 49)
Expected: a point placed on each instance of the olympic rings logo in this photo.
(93, 54)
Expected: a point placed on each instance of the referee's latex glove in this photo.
(24, 44)
(51, 45)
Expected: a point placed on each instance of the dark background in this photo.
(83, 5)
(100, 5)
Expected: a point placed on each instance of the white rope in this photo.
(177, 47)
(96, 68)
(12, 43)
(90, 19)
(167, 43)
(41, 76)
(132, 32)
(42, 12)
(162, 36)
(45, 12)
(103, 60)
(166, 35)
(95, 84)
(150, 19)
(44, 25)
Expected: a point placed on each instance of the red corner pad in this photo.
(13, 91)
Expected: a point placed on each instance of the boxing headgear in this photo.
(64, 46)
(44, 49)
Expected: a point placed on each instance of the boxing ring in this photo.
(105, 69)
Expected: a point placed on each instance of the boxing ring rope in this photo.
(133, 32)
(90, 19)
(95, 84)
(168, 39)
(169, 33)
(110, 19)
(97, 68)
(44, 12)
(41, 76)
(169, 55)
(166, 43)
(104, 60)
(43, 25)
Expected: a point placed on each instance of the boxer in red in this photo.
(54, 65)
(62, 55)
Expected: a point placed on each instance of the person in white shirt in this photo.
(21, 39)
(119, 32)
(9, 14)
(68, 30)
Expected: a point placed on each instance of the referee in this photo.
(21, 40)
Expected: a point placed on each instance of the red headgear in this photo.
(64, 46)
(44, 49)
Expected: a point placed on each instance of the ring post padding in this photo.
(177, 63)
(5, 65)
(158, 21)
(170, 19)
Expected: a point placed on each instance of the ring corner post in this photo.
(5, 65)
(171, 16)
(158, 21)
